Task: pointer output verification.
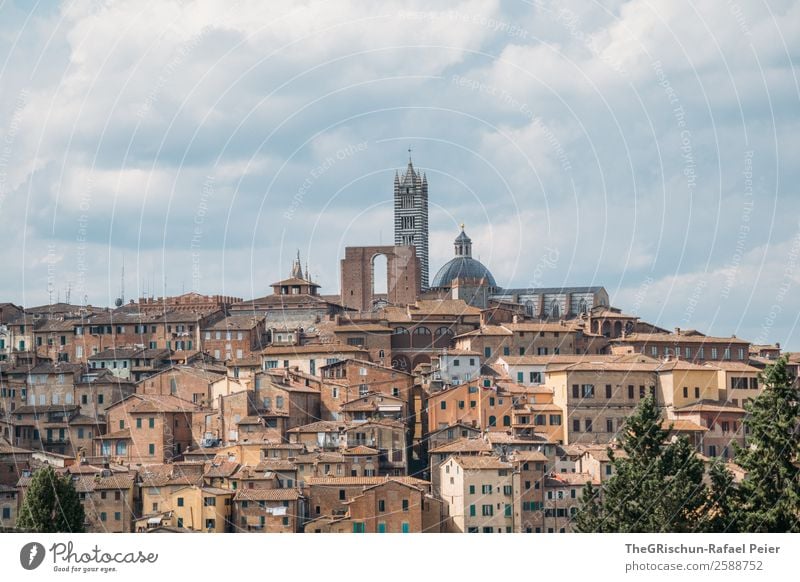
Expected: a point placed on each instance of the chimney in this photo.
(515, 319)
(677, 331)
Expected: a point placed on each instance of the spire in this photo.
(297, 269)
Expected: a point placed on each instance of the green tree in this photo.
(51, 505)
(721, 510)
(770, 490)
(656, 486)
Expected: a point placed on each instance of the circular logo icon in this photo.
(31, 555)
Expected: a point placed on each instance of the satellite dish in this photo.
(118, 302)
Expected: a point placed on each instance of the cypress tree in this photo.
(51, 505)
(656, 487)
(770, 490)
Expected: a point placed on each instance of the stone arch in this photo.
(617, 329)
(403, 275)
(379, 275)
(401, 362)
(606, 328)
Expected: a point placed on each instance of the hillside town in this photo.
(442, 404)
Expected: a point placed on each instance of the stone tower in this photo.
(411, 215)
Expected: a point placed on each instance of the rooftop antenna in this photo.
(69, 291)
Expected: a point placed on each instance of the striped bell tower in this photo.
(411, 214)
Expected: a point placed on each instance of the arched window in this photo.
(401, 338)
(492, 421)
(530, 308)
(555, 311)
(121, 448)
(442, 337)
(617, 329)
(421, 338)
(506, 420)
(583, 306)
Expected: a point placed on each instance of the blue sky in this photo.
(644, 146)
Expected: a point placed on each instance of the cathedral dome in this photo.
(462, 266)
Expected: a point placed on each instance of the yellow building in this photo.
(681, 383)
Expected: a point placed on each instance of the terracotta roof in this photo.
(682, 365)
(320, 426)
(568, 479)
(360, 450)
(312, 349)
(220, 469)
(481, 462)
(125, 433)
(673, 338)
(144, 403)
(732, 366)
(276, 465)
(463, 445)
(711, 406)
(529, 456)
(364, 481)
(680, 425)
(262, 494)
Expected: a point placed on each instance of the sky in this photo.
(646, 146)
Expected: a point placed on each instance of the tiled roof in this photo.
(711, 406)
(363, 481)
(675, 338)
(463, 445)
(312, 349)
(481, 462)
(360, 450)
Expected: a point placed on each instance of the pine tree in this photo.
(590, 517)
(770, 491)
(721, 509)
(656, 486)
(51, 505)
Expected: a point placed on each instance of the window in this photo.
(279, 401)
(506, 420)
(588, 425)
(609, 425)
(630, 392)
(486, 489)
(576, 425)
(405, 504)
(540, 420)
(211, 524)
(404, 527)
(555, 420)
(587, 390)
(608, 390)
(180, 501)
(506, 351)
(697, 392)
(714, 353)
(341, 495)
(487, 352)
(507, 490)
(472, 511)
(576, 391)
(471, 488)
(151, 448)
(151, 422)
(492, 421)
(381, 505)
(102, 516)
(209, 501)
(686, 392)
(520, 377)
(487, 510)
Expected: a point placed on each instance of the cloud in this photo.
(580, 143)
